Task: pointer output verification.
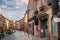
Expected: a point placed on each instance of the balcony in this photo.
(42, 8)
(49, 3)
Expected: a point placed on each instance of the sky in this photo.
(13, 9)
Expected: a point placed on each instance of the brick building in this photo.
(48, 10)
(26, 21)
(11, 25)
(21, 24)
(4, 22)
(17, 25)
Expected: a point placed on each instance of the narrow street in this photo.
(29, 19)
(19, 35)
(16, 36)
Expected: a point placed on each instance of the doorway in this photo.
(44, 26)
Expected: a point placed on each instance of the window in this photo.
(42, 2)
(59, 4)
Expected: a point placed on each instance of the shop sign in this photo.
(56, 19)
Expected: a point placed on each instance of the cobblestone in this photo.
(20, 35)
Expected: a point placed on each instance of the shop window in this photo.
(49, 2)
(54, 27)
(44, 23)
(42, 2)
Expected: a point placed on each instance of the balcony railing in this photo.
(42, 8)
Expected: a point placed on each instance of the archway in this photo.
(43, 17)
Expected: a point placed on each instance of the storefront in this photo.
(43, 17)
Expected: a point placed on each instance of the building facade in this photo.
(17, 25)
(11, 25)
(26, 22)
(21, 24)
(4, 22)
(48, 10)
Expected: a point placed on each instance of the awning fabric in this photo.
(42, 16)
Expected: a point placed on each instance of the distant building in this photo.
(19, 25)
(11, 26)
(4, 22)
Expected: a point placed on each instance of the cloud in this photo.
(13, 9)
(15, 3)
(3, 6)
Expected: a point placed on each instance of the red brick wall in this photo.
(59, 29)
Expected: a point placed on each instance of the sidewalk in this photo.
(20, 35)
(30, 37)
(38, 38)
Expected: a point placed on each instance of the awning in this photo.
(43, 16)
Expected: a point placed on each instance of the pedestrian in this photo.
(30, 33)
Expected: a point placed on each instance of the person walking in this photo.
(30, 33)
